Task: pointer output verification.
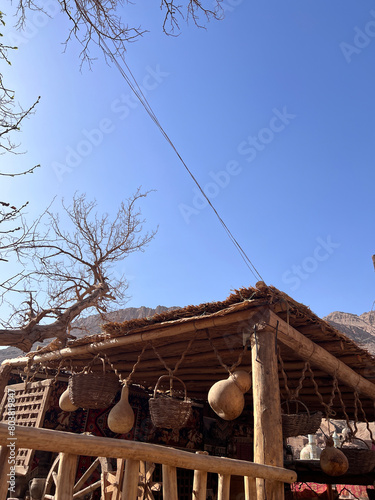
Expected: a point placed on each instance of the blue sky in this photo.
(271, 108)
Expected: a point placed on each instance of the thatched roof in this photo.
(216, 332)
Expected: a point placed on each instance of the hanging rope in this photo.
(169, 370)
(220, 359)
(118, 374)
(364, 417)
(328, 407)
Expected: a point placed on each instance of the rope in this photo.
(285, 376)
(169, 370)
(365, 418)
(220, 359)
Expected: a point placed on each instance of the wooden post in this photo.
(4, 471)
(4, 377)
(169, 482)
(131, 480)
(250, 488)
(200, 482)
(268, 439)
(66, 476)
(223, 489)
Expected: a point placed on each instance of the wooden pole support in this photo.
(5, 484)
(131, 480)
(268, 439)
(66, 476)
(169, 482)
(200, 482)
(250, 488)
(223, 489)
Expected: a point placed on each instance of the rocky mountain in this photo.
(91, 326)
(361, 328)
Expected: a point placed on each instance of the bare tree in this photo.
(72, 269)
(98, 21)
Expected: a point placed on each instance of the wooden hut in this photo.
(291, 355)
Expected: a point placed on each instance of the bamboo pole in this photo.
(309, 351)
(268, 439)
(65, 476)
(170, 490)
(200, 482)
(241, 312)
(50, 440)
(131, 480)
(250, 488)
(223, 489)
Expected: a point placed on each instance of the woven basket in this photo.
(298, 424)
(93, 390)
(361, 460)
(167, 411)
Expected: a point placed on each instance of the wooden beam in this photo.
(66, 476)
(200, 482)
(131, 480)
(223, 489)
(250, 488)
(169, 474)
(4, 378)
(319, 357)
(241, 312)
(268, 439)
(93, 446)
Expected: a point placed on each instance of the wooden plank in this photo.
(131, 480)
(200, 482)
(169, 474)
(309, 351)
(65, 476)
(223, 488)
(50, 440)
(268, 439)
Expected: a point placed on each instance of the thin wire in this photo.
(141, 97)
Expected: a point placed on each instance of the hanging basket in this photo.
(298, 424)
(168, 411)
(361, 460)
(93, 390)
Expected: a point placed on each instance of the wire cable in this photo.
(137, 90)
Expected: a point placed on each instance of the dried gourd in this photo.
(121, 417)
(226, 397)
(65, 402)
(333, 461)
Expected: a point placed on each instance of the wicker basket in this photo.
(93, 390)
(298, 424)
(361, 460)
(168, 411)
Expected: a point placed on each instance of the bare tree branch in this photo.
(72, 267)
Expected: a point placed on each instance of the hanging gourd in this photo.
(333, 461)
(226, 397)
(65, 402)
(121, 417)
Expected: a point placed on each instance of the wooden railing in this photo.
(72, 445)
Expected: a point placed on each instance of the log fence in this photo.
(70, 446)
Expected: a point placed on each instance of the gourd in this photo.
(65, 402)
(121, 417)
(226, 397)
(333, 461)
